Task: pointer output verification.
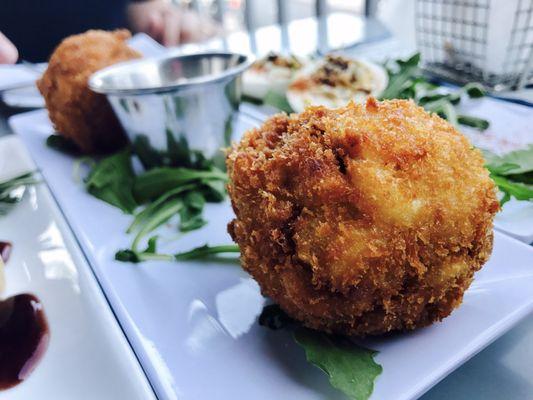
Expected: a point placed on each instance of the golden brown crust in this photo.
(76, 112)
(361, 220)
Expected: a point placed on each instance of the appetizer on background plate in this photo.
(334, 81)
(274, 72)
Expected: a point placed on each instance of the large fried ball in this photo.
(78, 113)
(361, 220)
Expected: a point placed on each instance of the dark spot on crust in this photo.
(340, 161)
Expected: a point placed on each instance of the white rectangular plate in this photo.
(88, 356)
(193, 324)
(510, 129)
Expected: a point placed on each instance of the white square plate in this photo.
(88, 356)
(193, 324)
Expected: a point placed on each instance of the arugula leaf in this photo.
(194, 200)
(443, 106)
(509, 188)
(252, 100)
(522, 159)
(149, 156)
(191, 214)
(178, 153)
(526, 177)
(273, 317)
(512, 173)
(152, 245)
(167, 191)
(474, 90)
(402, 79)
(350, 368)
(474, 122)
(444, 109)
(130, 255)
(25, 179)
(406, 81)
(278, 101)
(453, 98)
(190, 223)
(502, 169)
(157, 181)
(159, 216)
(412, 61)
(12, 190)
(62, 144)
(206, 250)
(111, 180)
(151, 208)
(213, 191)
(172, 191)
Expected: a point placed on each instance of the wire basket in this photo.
(488, 41)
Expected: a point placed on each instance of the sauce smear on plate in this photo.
(24, 337)
(5, 250)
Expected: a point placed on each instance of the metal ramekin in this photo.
(175, 103)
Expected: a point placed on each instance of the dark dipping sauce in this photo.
(5, 250)
(24, 337)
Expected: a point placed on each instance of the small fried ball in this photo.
(361, 220)
(77, 113)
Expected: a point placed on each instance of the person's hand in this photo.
(168, 24)
(8, 51)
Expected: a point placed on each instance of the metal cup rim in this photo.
(96, 81)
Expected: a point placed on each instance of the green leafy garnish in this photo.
(474, 90)
(62, 144)
(165, 191)
(273, 317)
(278, 101)
(205, 251)
(144, 215)
(252, 100)
(402, 78)
(474, 122)
(157, 181)
(187, 201)
(350, 368)
(407, 81)
(178, 153)
(157, 218)
(111, 180)
(174, 191)
(12, 190)
(7, 187)
(512, 173)
(519, 191)
(150, 253)
(191, 213)
(272, 98)
(522, 160)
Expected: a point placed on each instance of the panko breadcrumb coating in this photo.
(78, 113)
(361, 220)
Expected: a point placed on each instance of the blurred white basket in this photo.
(489, 41)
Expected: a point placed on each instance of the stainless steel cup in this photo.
(177, 110)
